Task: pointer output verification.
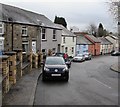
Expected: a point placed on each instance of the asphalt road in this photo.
(91, 83)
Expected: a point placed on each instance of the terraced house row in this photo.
(31, 32)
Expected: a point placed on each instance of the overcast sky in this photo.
(79, 13)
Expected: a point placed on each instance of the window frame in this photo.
(64, 39)
(54, 49)
(25, 43)
(66, 49)
(43, 33)
(2, 28)
(54, 34)
(72, 50)
(24, 29)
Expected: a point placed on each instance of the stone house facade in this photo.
(15, 39)
(28, 31)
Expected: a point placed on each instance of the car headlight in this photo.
(46, 69)
(65, 69)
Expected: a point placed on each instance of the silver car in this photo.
(79, 58)
(87, 56)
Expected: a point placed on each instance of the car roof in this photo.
(53, 57)
(60, 53)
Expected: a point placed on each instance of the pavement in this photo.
(115, 67)
(22, 93)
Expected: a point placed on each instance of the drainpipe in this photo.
(12, 36)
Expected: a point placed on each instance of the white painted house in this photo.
(106, 46)
(114, 40)
(68, 41)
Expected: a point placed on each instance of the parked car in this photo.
(116, 53)
(55, 67)
(87, 56)
(79, 58)
(67, 60)
(59, 54)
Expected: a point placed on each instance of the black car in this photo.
(55, 67)
(115, 53)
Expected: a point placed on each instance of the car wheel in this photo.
(67, 78)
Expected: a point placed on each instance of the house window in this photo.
(84, 46)
(24, 31)
(1, 45)
(43, 34)
(54, 34)
(44, 51)
(1, 28)
(73, 39)
(54, 50)
(63, 39)
(25, 46)
(72, 50)
(66, 49)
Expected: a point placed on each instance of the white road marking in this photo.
(102, 83)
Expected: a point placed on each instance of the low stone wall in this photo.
(26, 68)
(18, 66)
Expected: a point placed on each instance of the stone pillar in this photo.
(40, 58)
(19, 61)
(12, 67)
(4, 76)
(35, 61)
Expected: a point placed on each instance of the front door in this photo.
(58, 50)
(34, 46)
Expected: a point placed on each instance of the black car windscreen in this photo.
(55, 61)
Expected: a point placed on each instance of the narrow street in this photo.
(91, 83)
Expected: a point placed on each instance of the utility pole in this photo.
(119, 24)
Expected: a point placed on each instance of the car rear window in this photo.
(55, 61)
(59, 54)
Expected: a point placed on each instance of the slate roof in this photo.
(104, 41)
(82, 40)
(114, 37)
(93, 38)
(24, 16)
(65, 31)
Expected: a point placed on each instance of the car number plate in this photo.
(56, 74)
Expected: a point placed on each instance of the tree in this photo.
(113, 8)
(106, 33)
(92, 29)
(100, 30)
(60, 20)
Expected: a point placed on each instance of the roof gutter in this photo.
(30, 24)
